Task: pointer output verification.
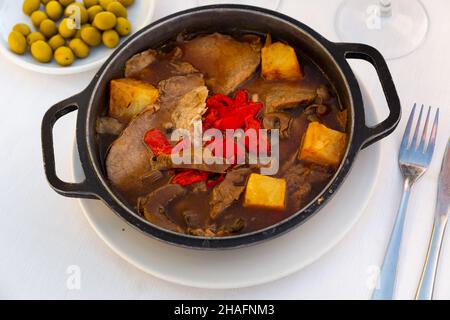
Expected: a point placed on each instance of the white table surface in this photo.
(42, 234)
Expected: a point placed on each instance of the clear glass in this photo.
(395, 27)
(268, 4)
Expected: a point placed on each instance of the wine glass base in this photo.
(394, 36)
(268, 4)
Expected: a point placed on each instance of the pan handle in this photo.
(73, 190)
(373, 56)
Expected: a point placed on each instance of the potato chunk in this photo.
(265, 192)
(129, 97)
(279, 62)
(322, 145)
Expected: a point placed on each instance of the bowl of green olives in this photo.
(68, 36)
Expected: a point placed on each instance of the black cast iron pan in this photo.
(330, 57)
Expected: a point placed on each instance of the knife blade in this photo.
(427, 280)
(444, 185)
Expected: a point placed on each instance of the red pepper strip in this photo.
(241, 99)
(221, 149)
(219, 109)
(252, 123)
(211, 116)
(225, 113)
(220, 100)
(189, 177)
(213, 113)
(157, 142)
(232, 122)
(235, 119)
(221, 104)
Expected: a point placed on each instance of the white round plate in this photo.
(249, 266)
(140, 14)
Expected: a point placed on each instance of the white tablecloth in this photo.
(42, 234)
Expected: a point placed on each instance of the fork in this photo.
(414, 158)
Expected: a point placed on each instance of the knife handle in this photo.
(426, 284)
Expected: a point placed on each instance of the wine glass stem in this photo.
(385, 8)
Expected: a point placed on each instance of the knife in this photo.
(426, 284)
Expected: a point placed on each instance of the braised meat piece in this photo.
(128, 159)
(153, 67)
(225, 62)
(189, 108)
(300, 180)
(139, 62)
(182, 101)
(297, 185)
(228, 191)
(282, 95)
(172, 90)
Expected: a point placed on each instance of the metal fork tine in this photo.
(425, 131)
(407, 134)
(416, 132)
(432, 141)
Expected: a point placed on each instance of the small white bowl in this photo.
(140, 14)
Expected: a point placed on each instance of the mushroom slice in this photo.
(278, 120)
(153, 207)
(108, 125)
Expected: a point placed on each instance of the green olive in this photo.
(93, 11)
(37, 17)
(78, 34)
(78, 12)
(41, 51)
(30, 6)
(126, 3)
(123, 27)
(22, 28)
(91, 36)
(56, 41)
(79, 48)
(64, 56)
(17, 42)
(105, 21)
(118, 9)
(48, 28)
(105, 3)
(90, 3)
(110, 39)
(67, 28)
(54, 10)
(35, 36)
(65, 3)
